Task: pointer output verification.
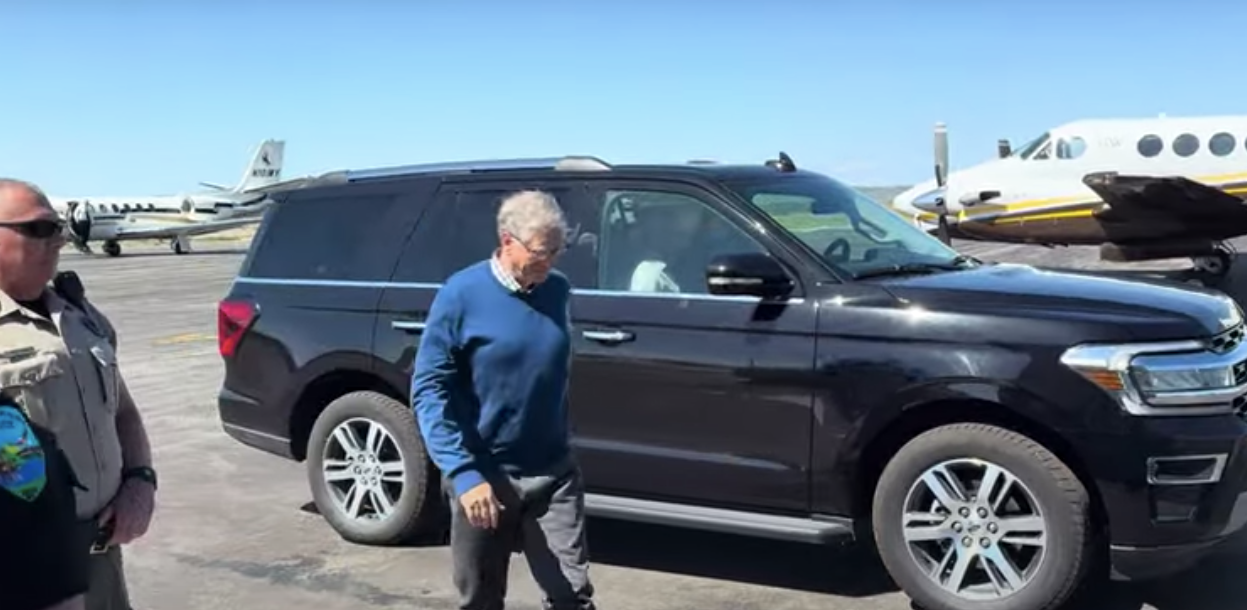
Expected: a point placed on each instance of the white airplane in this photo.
(174, 217)
(1141, 189)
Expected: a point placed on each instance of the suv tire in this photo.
(415, 509)
(1039, 484)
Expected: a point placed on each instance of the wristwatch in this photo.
(143, 473)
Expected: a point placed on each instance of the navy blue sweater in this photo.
(489, 385)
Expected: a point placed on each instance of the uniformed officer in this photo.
(58, 359)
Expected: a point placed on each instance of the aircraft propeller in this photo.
(941, 178)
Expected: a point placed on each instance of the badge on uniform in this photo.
(23, 469)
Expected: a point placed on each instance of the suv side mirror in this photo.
(751, 274)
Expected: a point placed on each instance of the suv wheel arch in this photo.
(924, 417)
(323, 390)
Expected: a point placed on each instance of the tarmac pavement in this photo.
(231, 530)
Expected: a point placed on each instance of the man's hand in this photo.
(131, 511)
(482, 507)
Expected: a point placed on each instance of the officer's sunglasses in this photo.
(42, 228)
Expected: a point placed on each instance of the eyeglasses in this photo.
(42, 228)
(542, 253)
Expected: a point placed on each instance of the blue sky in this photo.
(146, 97)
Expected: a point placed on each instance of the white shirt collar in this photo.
(503, 276)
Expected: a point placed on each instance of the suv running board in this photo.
(775, 527)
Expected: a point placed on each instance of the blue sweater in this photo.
(489, 385)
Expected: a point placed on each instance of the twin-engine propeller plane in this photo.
(1141, 189)
(175, 217)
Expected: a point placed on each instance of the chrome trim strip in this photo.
(613, 336)
(1218, 468)
(371, 284)
(1162, 355)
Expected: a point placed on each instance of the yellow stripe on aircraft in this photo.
(989, 209)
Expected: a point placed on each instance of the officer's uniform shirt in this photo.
(63, 371)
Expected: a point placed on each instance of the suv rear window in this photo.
(328, 238)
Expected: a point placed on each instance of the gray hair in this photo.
(528, 213)
(14, 183)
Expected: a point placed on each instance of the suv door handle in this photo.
(411, 326)
(608, 336)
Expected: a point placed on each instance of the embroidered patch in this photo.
(23, 471)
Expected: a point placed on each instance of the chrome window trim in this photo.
(386, 285)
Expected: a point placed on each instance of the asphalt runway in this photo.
(231, 532)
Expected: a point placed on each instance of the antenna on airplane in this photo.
(941, 178)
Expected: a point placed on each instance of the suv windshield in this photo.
(852, 232)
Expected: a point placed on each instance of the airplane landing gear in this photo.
(180, 244)
(1215, 266)
(112, 248)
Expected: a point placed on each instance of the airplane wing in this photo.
(1165, 198)
(169, 230)
(1165, 208)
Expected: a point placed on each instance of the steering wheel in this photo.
(837, 251)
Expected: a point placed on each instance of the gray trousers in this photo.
(107, 590)
(544, 518)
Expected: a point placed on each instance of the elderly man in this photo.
(489, 389)
(58, 360)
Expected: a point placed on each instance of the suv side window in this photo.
(461, 228)
(655, 240)
(330, 237)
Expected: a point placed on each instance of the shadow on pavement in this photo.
(1217, 584)
(849, 571)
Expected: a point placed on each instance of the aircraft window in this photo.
(1150, 145)
(1070, 148)
(1186, 144)
(1029, 148)
(1043, 152)
(1221, 144)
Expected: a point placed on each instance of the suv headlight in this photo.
(1173, 378)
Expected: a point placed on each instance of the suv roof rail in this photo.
(568, 162)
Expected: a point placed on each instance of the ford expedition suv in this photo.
(818, 370)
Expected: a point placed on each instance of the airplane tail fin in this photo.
(265, 167)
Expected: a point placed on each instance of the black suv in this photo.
(812, 367)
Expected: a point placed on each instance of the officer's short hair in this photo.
(14, 183)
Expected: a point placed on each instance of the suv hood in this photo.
(1094, 307)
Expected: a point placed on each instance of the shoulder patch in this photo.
(23, 465)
